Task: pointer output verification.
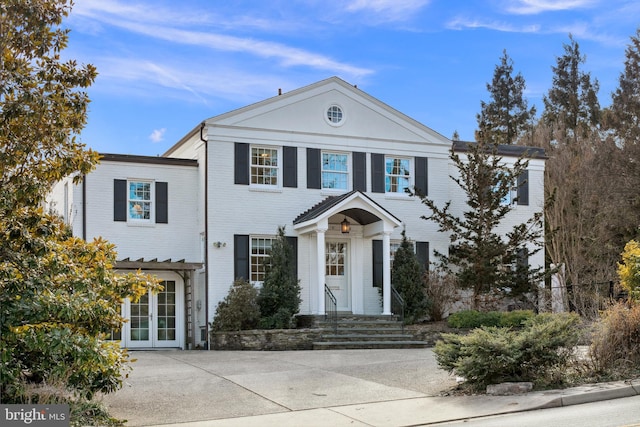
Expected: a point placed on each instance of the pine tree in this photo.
(506, 116)
(407, 276)
(478, 254)
(279, 297)
(571, 104)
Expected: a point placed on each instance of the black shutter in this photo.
(378, 271)
(119, 199)
(359, 171)
(241, 163)
(290, 167)
(241, 256)
(422, 180)
(313, 168)
(523, 188)
(293, 242)
(162, 203)
(377, 173)
(422, 253)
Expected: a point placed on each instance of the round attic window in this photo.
(335, 116)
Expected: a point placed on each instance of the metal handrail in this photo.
(397, 305)
(331, 308)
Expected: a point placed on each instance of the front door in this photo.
(337, 273)
(155, 320)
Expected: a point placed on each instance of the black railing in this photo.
(397, 305)
(330, 308)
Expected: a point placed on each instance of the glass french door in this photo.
(154, 319)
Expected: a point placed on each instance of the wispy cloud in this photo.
(461, 23)
(533, 7)
(157, 135)
(163, 26)
(392, 10)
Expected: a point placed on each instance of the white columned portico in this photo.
(320, 261)
(386, 273)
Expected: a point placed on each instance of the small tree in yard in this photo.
(279, 297)
(478, 255)
(407, 277)
(629, 270)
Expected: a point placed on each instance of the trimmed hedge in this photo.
(470, 319)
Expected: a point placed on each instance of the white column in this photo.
(320, 261)
(386, 273)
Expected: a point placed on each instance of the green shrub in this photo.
(470, 319)
(615, 343)
(516, 318)
(540, 352)
(407, 276)
(239, 310)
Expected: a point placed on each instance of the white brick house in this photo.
(205, 212)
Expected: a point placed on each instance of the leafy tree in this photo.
(407, 276)
(629, 269)
(507, 116)
(59, 296)
(478, 253)
(239, 310)
(572, 102)
(279, 297)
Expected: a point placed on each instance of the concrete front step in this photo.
(364, 345)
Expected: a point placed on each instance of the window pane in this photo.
(335, 171)
(397, 174)
(260, 249)
(264, 166)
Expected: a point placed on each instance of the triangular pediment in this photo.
(304, 111)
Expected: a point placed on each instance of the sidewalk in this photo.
(313, 388)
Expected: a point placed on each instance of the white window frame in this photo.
(346, 173)
(277, 167)
(150, 201)
(256, 260)
(398, 176)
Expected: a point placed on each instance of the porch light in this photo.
(345, 226)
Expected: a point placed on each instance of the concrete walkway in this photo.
(313, 388)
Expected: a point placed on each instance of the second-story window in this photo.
(264, 166)
(335, 171)
(397, 174)
(140, 200)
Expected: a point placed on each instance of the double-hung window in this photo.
(265, 166)
(140, 201)
(398, 175)
(259, 258)
(335, 171)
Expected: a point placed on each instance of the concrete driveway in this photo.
(170, 387)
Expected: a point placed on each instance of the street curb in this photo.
(595, 393)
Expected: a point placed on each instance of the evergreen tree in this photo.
(571, 104)
(59, 295)
(407, 276)
(478, 254)
(624, 112)
(506, 116)
(279, 297)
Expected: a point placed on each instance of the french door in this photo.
(155, 320)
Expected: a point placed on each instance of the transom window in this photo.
(397, 174)
(334, 114)
(335, 171)
(139, 200)
(260, 254)
(264, 166)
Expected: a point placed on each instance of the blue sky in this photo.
(166, 65)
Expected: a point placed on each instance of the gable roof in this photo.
(276, 113)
